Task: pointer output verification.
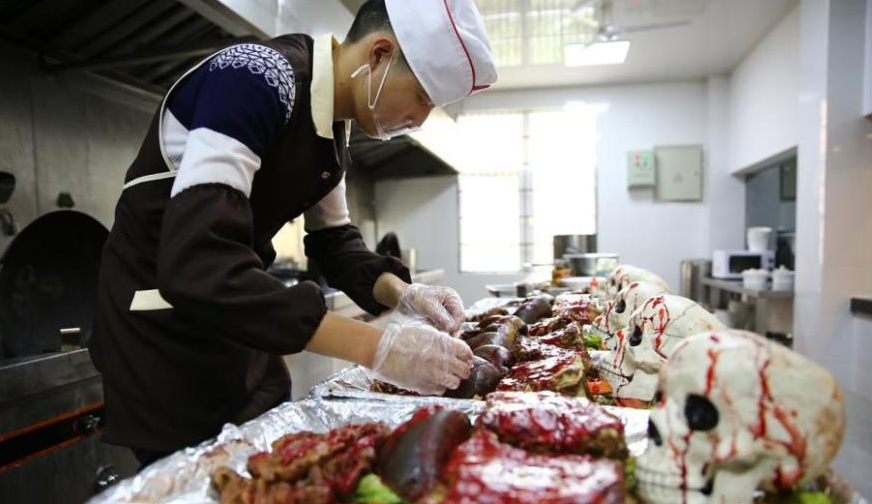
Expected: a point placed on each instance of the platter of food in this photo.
(514, 447)
(619, 393)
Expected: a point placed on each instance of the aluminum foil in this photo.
(184, 477)
(483, 305)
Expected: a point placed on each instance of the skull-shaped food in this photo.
(624, 275)
(618, 311)
(637, 352)
(738, 412)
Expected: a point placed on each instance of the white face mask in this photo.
(381, 132)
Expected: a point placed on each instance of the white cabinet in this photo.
(679, 173)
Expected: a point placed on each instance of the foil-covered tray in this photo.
(353, 383)
(185, 476)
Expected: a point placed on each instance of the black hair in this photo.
(372, 17)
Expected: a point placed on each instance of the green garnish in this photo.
(371, 489)
(593, 342)
(630, 474)
(808, 497)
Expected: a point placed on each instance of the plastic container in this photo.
(758, 238)
(755, 279)
(782, 279)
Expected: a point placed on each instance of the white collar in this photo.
(322, 87)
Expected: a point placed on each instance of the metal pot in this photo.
(585, 265)
(574, 244)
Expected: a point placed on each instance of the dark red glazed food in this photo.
(485, 471)
(305, 467)
(413, 456)
(561, 370)
(546, 422)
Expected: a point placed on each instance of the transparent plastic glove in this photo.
(442, 306)
(421, 359)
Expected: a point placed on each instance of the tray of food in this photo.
(623, 393)
(515, 447)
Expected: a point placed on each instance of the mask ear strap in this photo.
(360, 70)
(382, 84)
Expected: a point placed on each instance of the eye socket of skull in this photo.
(636, 337)
(654, 434)
(700, 413)
(620, 306)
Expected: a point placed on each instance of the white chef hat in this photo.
(446, 45)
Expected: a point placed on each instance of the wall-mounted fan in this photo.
(599, 16)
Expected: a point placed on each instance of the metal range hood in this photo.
(399, 157)
(140, 44)
(146, 45)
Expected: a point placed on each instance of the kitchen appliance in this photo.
(755, 279)
(51, 396)
(693, 271)
(758, 238)
(729, 264)
(409, 257)
(784, 246)
(782, 279)
(573, 244)
(7, 220)
(588, 265)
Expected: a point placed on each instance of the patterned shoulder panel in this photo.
(264, 61)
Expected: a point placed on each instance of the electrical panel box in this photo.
(679, 173)
(640, 169)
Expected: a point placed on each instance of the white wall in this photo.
(764, 97)
(313, 17)
(834, 210)
(276, 17)
(644, 232)
(725, 192)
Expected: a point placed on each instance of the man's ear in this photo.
(381, 48)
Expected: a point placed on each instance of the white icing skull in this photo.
(617, 312)
(626, 274)
(737, 413)
(638, 351)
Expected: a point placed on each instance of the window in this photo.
(524, 177)
(533, 32)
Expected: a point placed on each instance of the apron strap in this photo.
(149, 300)
(171, 171)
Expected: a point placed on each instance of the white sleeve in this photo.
(332, 211)
(211, 157)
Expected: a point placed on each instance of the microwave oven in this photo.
(729, 264)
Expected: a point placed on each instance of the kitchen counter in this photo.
(861, 305)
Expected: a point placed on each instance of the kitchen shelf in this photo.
(735, 286)
(768, 304)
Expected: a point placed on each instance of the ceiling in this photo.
(719, 35)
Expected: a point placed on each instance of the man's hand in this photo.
(421, 359)
(441, 306)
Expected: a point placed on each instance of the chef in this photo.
(189, 327)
